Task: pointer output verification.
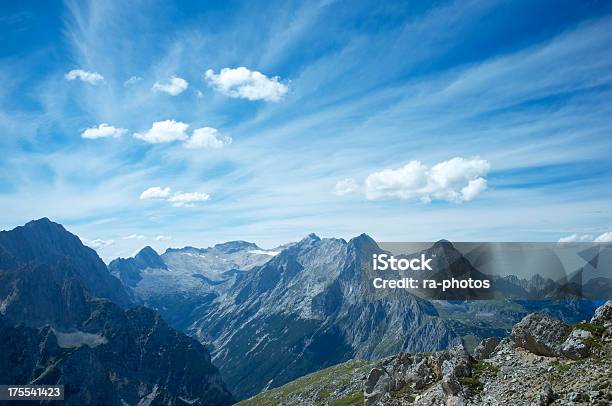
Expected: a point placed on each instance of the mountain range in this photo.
(153, 329)
(65, 320)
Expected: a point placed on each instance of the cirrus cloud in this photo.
(85, 76)
(244, 83)
(164, 131)
(97, 243)
(103, 131)
(134, 237)
(456, 180)
(188, 199)
(174, 86)
(346, 187)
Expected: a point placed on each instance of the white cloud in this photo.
(88, 77)
(163, 238)
(188, 199)
(456, 180)
(207, 137)
(346, 186)
(134, 237)
(97, 243)
(576, 238)
(164, 131)
(132, 81)
(102, 131)
(178, 199)
(155, 192)
(605, 237)
(473, 189)
(174, 86)
(246, 84)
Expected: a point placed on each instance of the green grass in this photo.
(594, 329)
(318, 386)
(354, 399)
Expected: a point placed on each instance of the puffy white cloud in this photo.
(164, 131)
(207, 137)
(174, 86)
(85, 76)
(456, 180)
(155, 192)
(163, 238)
(605, 237)
(97, 243)
(473, 189)
(188, 199)
(246, 84)
(134, 237)
(346, 186)
(102, 131)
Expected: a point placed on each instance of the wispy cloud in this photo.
(134, 237)
(188, 199)
(346, 187)
(98, 243)
(85, 76)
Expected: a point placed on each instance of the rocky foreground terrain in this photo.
(543, 362)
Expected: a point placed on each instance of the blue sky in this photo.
(264, 121)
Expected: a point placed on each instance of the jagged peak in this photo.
(43, 223)
(148, 250)
(311, 237)
(362, 240)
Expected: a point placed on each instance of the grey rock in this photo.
(576, 345)
(540, 334)
(547, 396)
(603, 314)
(458, 365)
(377, 385)
(485, 348)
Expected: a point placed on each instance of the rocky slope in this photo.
(58, 326)
(309, 307)
(543, 362)
(180, 280)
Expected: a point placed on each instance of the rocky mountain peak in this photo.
(45, 242)
(149, 258)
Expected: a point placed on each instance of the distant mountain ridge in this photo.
(60, 324)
